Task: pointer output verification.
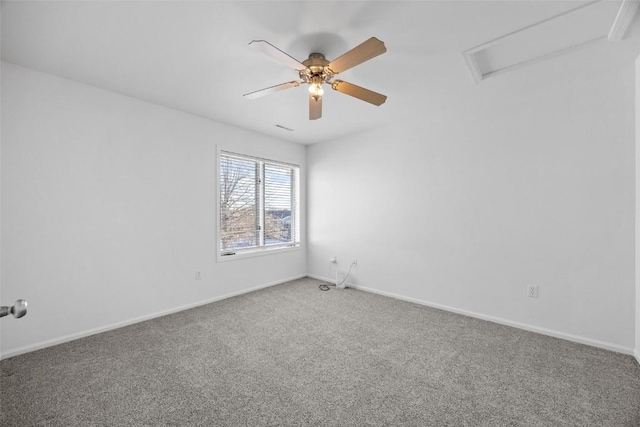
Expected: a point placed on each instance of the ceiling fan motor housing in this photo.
(317, 71)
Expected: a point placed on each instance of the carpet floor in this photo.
(292, 355)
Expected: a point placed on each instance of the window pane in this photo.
(278, 204)
(238, 208)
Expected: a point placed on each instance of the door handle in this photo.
(18, 309)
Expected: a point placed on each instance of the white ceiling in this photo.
(194, 56)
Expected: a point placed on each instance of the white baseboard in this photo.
(524, 326)
(71, 337)
(543, 331)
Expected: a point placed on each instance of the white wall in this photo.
(109, 208)
(108, 205)
(1, 299)
(518, 180)
(637, 351)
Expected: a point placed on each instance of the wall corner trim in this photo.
(472, 64)
(623, 19)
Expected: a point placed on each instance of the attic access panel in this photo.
(574, 28)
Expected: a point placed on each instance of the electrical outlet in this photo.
(333, 259)
(532, 291)
(198, 275)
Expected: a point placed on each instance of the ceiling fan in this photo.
(317, 70)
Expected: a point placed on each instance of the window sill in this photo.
(242, 254)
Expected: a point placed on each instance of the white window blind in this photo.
(258, 204)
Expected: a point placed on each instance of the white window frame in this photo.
(223, 256)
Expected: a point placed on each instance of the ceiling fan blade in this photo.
(272, 89)
(280, 56)
(359, 92)
(359, 54)
(315, 108)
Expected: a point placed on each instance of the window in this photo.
(258, 204)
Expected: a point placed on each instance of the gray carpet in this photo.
(292, 355)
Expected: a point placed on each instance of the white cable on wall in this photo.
(345, 277)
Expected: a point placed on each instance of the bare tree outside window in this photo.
(238, 208)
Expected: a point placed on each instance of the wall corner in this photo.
(637, 211)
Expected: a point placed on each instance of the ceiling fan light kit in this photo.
(317, 70)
